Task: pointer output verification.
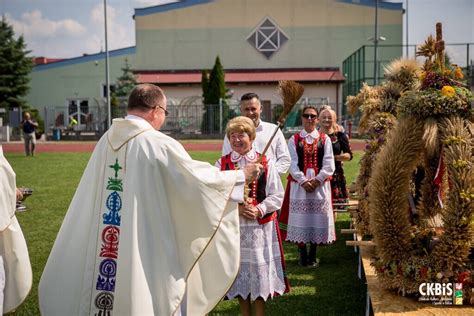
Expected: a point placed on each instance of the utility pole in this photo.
(376, 41)
(406, 29)
(107, 75)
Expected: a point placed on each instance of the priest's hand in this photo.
(252, 171)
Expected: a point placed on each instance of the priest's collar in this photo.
(123, 130)
(134, 117)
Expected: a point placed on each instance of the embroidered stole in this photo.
(102, 298)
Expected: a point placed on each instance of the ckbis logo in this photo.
(436, 289)
(441, 293)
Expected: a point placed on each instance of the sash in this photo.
(102, 298)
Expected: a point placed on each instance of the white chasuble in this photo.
(13, 249)
(146, 224)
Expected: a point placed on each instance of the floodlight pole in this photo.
(376, 41)
(406, 30)
(107, 74)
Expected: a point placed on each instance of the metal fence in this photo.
(5, 133)
(359, 66)
(183, 120)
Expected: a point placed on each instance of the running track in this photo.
(42, 147)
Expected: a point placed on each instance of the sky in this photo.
(70, 28)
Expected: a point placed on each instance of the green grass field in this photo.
(331, 289)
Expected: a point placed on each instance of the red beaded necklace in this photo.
(310, 155)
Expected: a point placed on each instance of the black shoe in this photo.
(312, 254)
(303, 255)
(20, 207)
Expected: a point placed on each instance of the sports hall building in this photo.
(259, 42)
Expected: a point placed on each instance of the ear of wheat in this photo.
(290, 92)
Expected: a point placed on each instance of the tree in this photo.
(15, 68)
(123, 86)
(214, 91)
(216, 83)
(205, 86)
(126, 82)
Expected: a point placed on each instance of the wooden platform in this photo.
(383, 302)
(386, 303)
(350, 203)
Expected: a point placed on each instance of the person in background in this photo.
(341, 127)
(16, 276)
(251, 107)
(342, 152)
(261, 274)
(72, 122)
(149, 231)
(29, 127)
(307, 212)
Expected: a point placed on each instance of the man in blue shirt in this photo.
(29, 126)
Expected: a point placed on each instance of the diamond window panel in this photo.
(267, 38)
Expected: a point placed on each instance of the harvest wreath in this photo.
(432, 242)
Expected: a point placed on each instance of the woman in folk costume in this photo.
(342, 152)
(15, 269)
(261, 275)
(307, 211)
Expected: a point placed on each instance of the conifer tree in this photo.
(205, 86)
(126, 82)
(213, 90)
(15, 68)
(123, 86)
(216, 83)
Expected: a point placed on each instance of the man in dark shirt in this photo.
(29, 126)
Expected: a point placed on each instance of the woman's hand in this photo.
(249, 211)
(315, 183)
(241, 209)
(342, 157)
(308, 186)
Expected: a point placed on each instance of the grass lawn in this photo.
(331, 289)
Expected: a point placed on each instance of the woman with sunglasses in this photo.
(342, 152)
(307, 209)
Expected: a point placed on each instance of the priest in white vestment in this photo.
(251, 107)
(16, 276)
(149, 231)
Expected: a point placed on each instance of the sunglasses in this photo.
(166, 111)
(309, 116)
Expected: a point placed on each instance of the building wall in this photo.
(266, 92)
(80, 78)
(321, 33)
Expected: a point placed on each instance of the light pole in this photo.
(376, 41)
(406, 25)
(107, 79)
